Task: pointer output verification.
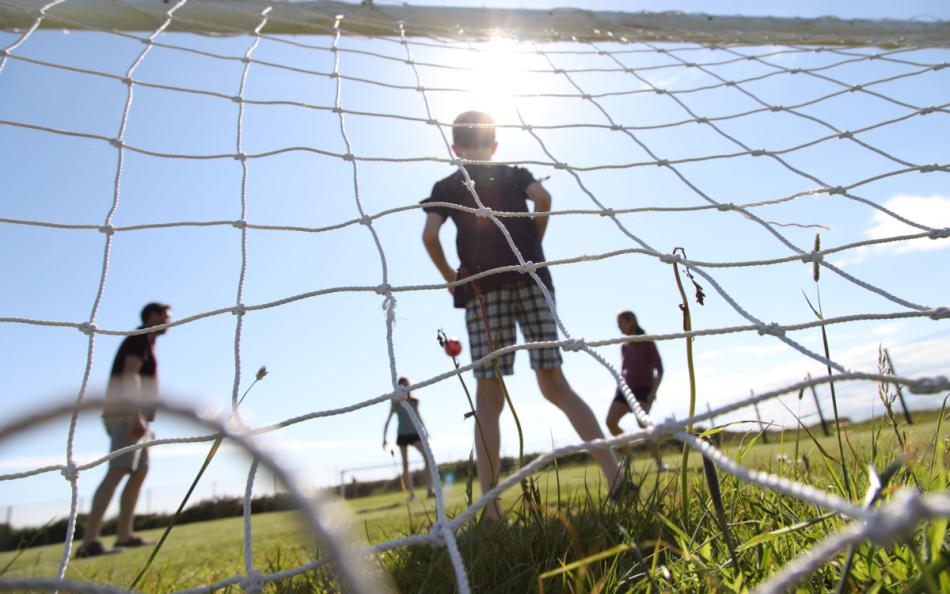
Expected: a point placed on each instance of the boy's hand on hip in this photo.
(451, 277)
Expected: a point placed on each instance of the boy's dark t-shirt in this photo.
(480, 243)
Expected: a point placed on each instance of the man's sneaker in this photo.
(92, 548)
(133, 541)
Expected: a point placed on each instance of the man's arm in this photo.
(430, 237)
(132, 390)
(542, 203)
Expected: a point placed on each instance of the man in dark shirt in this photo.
(130, 397)
(496, 302)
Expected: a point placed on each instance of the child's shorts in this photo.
(407, 439)
(641, 393)
(522, 303)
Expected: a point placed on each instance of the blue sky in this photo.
(330, 351)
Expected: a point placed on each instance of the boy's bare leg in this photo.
(430, 491)
(406, 477)
(100, 501)
(130, 496)
(489, 402)
(555, 388)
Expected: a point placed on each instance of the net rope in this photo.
(881, 525)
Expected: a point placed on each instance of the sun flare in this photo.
(496, 77)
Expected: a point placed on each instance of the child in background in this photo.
(406, 436)
(642, 369)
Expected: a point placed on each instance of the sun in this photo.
(496, 77)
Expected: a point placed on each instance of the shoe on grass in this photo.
(93, 548)
(626, 492)
(133, 541)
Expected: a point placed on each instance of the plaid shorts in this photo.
(523, 303)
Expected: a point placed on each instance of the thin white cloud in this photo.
(918, 358)
(933, 211)
(888, 329)
(768, 349)
(188, 450)
(30, 462)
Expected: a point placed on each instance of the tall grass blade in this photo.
(23, 545)
(938, 445)
(821, 415)
(874, 491)
(831, 385)
(712, 479)
(900, 390)
(177, 514)
(261, 373)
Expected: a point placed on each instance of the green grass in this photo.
(642, 547)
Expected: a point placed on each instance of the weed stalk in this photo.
(831, 384)
(899, 389)
(687, 327)
(261, 373)
(441, 338)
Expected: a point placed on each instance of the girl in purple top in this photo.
(643, 371)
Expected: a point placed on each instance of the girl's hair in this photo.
(404, 381)
(629, 315)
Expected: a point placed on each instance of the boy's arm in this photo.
(430, 237)
(542, 203)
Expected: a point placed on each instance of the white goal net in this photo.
(260, 166)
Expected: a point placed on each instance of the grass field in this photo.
(646, 546)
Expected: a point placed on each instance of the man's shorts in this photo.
(522, 303)
(120, 431)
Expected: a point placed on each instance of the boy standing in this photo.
(494, 304)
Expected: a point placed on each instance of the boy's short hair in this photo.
(466, 136)
(403, 381)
